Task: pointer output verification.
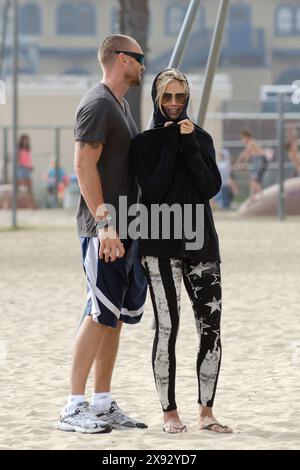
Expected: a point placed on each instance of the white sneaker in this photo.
(82, 420)
(117, 418)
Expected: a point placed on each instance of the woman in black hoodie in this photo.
(175, 166)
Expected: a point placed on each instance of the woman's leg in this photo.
(164, 279)
(203, 284)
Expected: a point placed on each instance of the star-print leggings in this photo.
(203, 284)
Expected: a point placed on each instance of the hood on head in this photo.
(160, 119)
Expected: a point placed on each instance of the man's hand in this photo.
(111, 247)
(186, 126)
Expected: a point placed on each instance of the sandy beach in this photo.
(42, 289)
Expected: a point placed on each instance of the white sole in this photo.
(69, 428)
(119, 427)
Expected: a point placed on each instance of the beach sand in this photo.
(42, 289)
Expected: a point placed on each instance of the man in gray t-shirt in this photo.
(100, 117)
(116, 286)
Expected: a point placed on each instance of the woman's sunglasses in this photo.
(138, 57)
(180, 98)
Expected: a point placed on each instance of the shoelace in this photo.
(83, 417)
(83, 407)
(118, 413)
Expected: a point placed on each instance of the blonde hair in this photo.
(164, 79)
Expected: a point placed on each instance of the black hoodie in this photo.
(174, 168)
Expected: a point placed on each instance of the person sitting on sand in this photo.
(259, 162)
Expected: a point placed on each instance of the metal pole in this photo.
(57, 162)
(4, 30)
(5, 155)
(182, 39)
(280, 137)
(212, 60)
(184, 34)
(15, 112)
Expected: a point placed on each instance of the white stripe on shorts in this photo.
(91, 267)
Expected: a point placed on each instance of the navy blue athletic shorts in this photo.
(115, 290)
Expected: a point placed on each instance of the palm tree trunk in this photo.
(133, 21)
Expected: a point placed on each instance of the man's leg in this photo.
(105, 358)
(76, 415)
(85, 350)
(104, 406)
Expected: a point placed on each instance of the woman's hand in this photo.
(169, 123)
(186, 126)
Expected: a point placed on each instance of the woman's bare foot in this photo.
(208, 422)
(172, 423)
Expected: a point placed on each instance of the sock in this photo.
(73, 401)
(102, 401)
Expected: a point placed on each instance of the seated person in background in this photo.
(62, 183)
(257, 155)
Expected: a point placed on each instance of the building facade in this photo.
(260, 44)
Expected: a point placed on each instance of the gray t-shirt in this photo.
(101, 118)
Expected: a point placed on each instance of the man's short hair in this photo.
(113, 43)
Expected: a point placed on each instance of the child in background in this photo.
(224, 197)
(25, 167)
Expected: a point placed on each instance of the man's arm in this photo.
(243, 157)
(86, 158)
(87, 155)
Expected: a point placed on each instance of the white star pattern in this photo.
(196, 289)
(215, 281)
(214, 305)
(217, 333)
(202, 326)
(198, 270)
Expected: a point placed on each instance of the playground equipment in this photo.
(267, 202)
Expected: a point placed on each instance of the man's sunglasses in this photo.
(180, 98)
(140, 58)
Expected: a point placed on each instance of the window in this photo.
(239, 15)
(284, 20)
(66, 19)
(86, 19)
(174, 16)
(76, 19)
(30, 19)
